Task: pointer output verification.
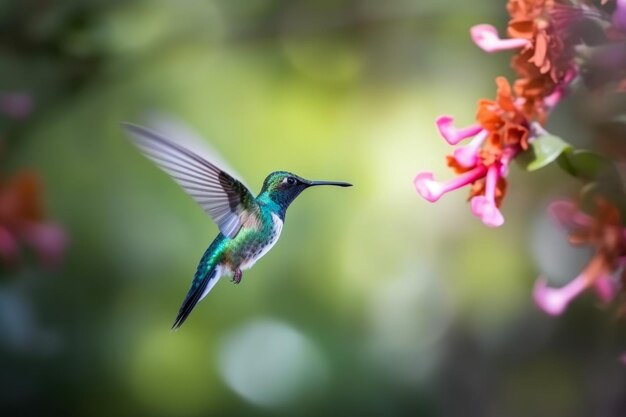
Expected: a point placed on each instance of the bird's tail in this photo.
(200, 287)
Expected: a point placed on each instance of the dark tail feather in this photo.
(194, 295)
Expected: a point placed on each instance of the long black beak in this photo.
(336, 183)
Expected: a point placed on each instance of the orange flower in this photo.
(544, 63)
(545, 68)
(22, 221)
(503, 119)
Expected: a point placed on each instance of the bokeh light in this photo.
(271, 364)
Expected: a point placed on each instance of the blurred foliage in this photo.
(373, 303)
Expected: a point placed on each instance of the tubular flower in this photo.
(22, 222)
(502, 131)
(487, 39)
(607, 235)
(541, 33)
(544, 61)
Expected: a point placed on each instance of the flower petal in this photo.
(486, 38)
(485, 209)
(432, 190)
(505, 160)
(553, 99)
(427, 187)
(566, 214)
(554, 301)
(451, 134)
(484, 206)
(467, 156)
(561, 90)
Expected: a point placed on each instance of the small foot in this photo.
(237, 276)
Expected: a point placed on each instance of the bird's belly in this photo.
(256, 250)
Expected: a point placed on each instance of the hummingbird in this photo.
(249, 226)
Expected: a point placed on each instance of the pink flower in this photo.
(560, 91)
(606, 234)
(431, 190)
(467, 156)
(486, 38)
(22, 223)
(502, 132)
(484, 206)
(452, 135)
(467, 161)
(567, 215)
(555, 300)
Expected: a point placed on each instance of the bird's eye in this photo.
(291, 181)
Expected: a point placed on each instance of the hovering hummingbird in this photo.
(249, 226)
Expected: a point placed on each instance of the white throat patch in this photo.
(278, 227)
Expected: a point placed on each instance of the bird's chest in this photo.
(260, 243)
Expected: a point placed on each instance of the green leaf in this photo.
(542, 151)
(588, 166)
(600, 175)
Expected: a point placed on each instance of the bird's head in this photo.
(283, 187)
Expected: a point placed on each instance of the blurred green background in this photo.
(374, 302)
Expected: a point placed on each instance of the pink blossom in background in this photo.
(23, 224)
(606, 234)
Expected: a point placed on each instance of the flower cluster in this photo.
(22, 222)
(544, 62)
(602, 65)
(501, 133)
(604, 273)
(22, 218)
(507, 126)
(550, 53)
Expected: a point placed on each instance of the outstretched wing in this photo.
(225, 199)
(185, 136)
